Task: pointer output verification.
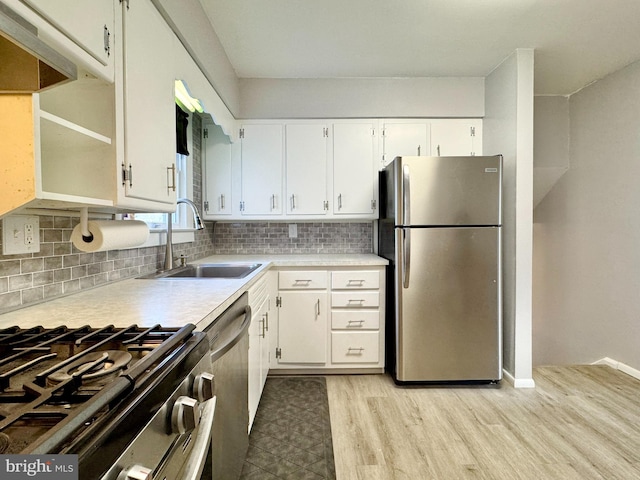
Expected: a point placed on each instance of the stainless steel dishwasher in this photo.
(229, 344)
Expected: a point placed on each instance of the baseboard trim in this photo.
(618, 366)
(518, 382)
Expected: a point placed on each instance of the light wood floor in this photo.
(578, 423)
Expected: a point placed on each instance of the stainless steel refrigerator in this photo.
(440, 227)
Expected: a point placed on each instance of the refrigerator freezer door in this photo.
(447, 190)
(448, 317)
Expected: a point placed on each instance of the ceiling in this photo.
(575, 41)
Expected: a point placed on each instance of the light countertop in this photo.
(168, 302)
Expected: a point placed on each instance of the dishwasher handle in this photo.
(236, 336)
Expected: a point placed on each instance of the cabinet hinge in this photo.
(373, 204)
(383, 132)
(127, 175)
(206, 205)
(205, 133)
(473, 131)
(373, 132)
(326, 205)
(242, 133)
(278, 301)
(241, 206)
(325, 132)
(107, 41)
(278, 352)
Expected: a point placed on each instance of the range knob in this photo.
(136, 472)
(185, 415)
(204, 386)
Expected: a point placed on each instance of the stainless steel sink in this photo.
(208, 270)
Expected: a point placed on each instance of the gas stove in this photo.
(91, 391)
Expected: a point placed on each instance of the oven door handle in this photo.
(195, 463)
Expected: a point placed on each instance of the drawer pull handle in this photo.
(355, 350)
(357, 283)
(302, 283)
(355, 301)
(263, 329)
(355, 323)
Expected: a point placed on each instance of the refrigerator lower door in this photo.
(449, 315)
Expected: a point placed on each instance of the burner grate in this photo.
(56, 381)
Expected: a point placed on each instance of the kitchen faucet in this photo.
(199, 225)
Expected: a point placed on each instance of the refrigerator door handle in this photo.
(406, 220)
(406, 196)
(406, 257)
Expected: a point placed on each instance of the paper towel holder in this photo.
(87, 236)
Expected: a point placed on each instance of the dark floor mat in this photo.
(291, 434)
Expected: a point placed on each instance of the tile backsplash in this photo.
(312, 238)
(60, 269)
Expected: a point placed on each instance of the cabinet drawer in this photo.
(361, 347)
(355, 280)
(355, 320)
(358, 299)
(302, 280)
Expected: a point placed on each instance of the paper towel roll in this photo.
(111, 235)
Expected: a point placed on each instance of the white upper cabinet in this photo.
(306, 166)
(261, 169)
(434, 137)
(89, 23)
(354, 169)
(404, 139)
(217, 166)
(456, 138)
(148, 166)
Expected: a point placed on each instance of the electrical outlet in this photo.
(20, 234)
(293, 230)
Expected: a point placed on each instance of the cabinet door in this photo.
(88, 23)
(265, 346)
(217, 171)
(452, 139)
(302, 327)
(354, 169)
(254, 385)
(404, 139)
(306, 165)
(149, 104)
(261, 165)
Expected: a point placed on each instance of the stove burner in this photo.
(5, 441)
(92, 367)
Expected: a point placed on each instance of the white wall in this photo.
(551, 143)
(508, 130)
(362, 97)
(188, 20)
(587, 233)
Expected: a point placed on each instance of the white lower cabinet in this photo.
(331, 320)
(359, 347)
(302, 318)
(261, 304)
